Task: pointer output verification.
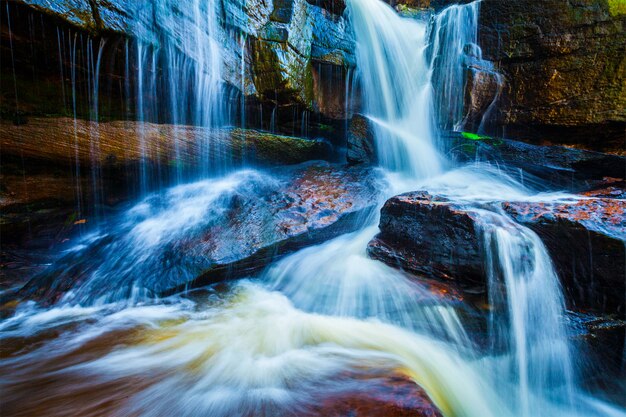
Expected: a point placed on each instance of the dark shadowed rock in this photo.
(361, 142)
(432, 236)
(429, 235)
(241, 231)
(586, 240)
(557, 166)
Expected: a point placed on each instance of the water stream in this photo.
(325, 320)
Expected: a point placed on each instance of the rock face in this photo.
(556, 166)
(429, 235)
(361, 147)
(432, 236)
(254, 219)
(565, 69)
(269, 48)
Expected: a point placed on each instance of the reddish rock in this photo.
(434, 237)
(586, 239)
(386, 396)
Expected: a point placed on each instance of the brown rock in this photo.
(565, 65)
(432, 236)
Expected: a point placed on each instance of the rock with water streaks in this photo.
(240, 231)
(556, 166)
(433, 236)
(117, 144)
(361, 147)
(565, 66)
(586, 240)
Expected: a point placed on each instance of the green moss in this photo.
(617, 7)
(473, 136)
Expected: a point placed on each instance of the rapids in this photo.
(325, 319)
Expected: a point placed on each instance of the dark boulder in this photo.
(361, 147)
(434, 237)
(429, 235)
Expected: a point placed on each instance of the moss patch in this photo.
(617, 7)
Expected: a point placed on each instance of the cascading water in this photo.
(326, 319)
(395, 75)
(183, 43)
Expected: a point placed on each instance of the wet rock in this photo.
(361, 142)
(429, 235)
(557, 166)
(564, 65)
(378, 396)
(483, 86)
(245, 229)
(432, 236)
(586, 240)
(116, 144)
(602, 338)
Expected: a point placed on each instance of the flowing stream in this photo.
(326, 320)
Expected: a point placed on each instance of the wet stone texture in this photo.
(247, 229)
(432, 236)
(586, 240)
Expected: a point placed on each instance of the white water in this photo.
(280, 346)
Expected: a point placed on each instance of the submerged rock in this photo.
(433, 236)
(205, 232)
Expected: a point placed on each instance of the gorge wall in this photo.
(288, 65)
(565, 69)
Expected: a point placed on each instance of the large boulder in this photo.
(435, 237)
(429, 236)
(209, 231)
(565, 69)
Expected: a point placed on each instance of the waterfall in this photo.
(179, 77)
(396, 78)
(323, 322)
(400, 66)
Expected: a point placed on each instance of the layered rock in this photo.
(555, 166)
(433, 236)
(565, 69)
(243, 230)
(118, 144)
